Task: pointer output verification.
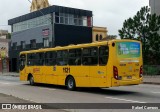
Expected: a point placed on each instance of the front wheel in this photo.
(31, 80)
(71, 85)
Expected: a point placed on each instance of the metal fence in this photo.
(151, 70)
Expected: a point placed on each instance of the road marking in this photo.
(4, 83)
(125, 100)
(155, 92)
(47, 89)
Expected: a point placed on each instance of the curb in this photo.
(154, 83)
(12, 75)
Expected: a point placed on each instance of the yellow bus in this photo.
(100, 64)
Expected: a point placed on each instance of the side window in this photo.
(97, 37)
(74, 57)
(103, 55)
(62, 58)
(31, 59)
(50, 58)
(90, 56)
(100, 38)
(39, 61)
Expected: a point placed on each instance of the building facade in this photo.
(99, 33)
(155, 6)
(49, 27)
(4, 44)
(3, 34)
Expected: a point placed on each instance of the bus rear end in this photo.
(127, 66)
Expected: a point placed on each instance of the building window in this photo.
(32, 23)
(70, 19)
(46, 42)
(61, 18)
(66, 19)
(15, 46)
(97, 37)
(23, 44)
(100, 38)
(56, 17)
(33, 43)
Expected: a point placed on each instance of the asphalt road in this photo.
(41, 93)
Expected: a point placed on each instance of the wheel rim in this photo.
(70, 83)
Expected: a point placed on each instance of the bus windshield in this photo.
(128, 49)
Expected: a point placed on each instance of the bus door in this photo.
(98, 69)
(22, 65)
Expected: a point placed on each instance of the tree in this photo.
(110, 37)
(9, 36)
(144, 27)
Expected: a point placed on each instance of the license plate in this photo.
(129, 77)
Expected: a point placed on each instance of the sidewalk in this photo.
(151, 80)
(146, 80)
(14, 74)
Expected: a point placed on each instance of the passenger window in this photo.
(39, 61)
(31, 59)
(103, 55)
(62, 58)
(50, 58)
(90, 56)
(74, 57)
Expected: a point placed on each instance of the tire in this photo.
(31, 80)
(71, 85)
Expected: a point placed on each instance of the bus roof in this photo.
(72, 46)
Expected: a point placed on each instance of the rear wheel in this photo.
(31, 80)
(71, 85)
